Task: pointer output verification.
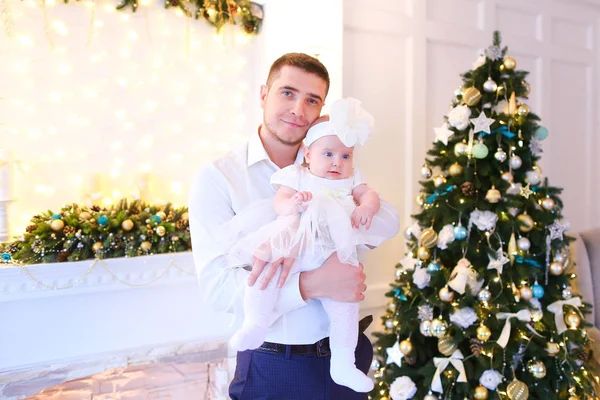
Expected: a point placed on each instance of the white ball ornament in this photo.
(516, 162)
(446, 295)
(523, 244)
(500, 155)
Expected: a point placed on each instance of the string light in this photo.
(118, 94)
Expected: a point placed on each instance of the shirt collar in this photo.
(257, 152)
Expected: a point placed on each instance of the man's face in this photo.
(291, 104)
(329, 158)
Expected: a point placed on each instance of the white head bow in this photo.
(348, 120)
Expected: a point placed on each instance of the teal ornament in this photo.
(433, 267)
(102, 220)
(538, 291)
(156, 219)
(6, 258)
(480, 151)
(460, 232)
(530, 261)
(399, 294)
(439, 192)
(56, 216)
(503, 130)
(541, 133)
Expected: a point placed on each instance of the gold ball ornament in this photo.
(446, 345)
(446, 295)
(429, 238)
(185, 216)
(57, 225)
(509, 63)
(471, 96)
(572, 319)
(160, 230)
(85, 215)
(449, 373)
(483, 333)
(455, 169)
(161, 214)
(425, 328)
(439, 180)
(552, 348)
(523, 110)
(480, 393)
(548, 204)
(517, 390)
(461, 149)
(406, 346)
(127, 225)
(423, 253)
(146, 246)
(420, 199)
(537, 369)
(574, 397)
(556, 268)
(96, 247)
(493, 195)
(526, 222)
(438, 328)
(526, 293)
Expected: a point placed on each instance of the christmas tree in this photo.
(482, 305)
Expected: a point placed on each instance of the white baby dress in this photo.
(322, 228)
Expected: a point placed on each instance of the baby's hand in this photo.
(300, 198)
(362, 215)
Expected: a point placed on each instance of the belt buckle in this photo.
(323, 349)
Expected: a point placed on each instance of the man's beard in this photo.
(281, 140)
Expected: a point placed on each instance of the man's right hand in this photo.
(335, 280)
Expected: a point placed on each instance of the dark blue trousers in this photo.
(265, 376)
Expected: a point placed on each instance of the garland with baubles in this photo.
(218, 13)
(126, 229)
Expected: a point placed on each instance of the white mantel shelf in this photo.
(52, 336)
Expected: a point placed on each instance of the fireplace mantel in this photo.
(122, 312)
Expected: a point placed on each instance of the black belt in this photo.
(320, 348)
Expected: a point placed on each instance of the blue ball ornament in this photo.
(433, 267)
(56, 216)
(6, 258)
(156, 219)
(460, 232)
(102, 220)
(538, 291)
(541, 133)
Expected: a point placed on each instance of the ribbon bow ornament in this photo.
(442, 363)
(351, 122)
(439, 192)
(523, 315)
(462, 275)
(557, 309)
(503, 129)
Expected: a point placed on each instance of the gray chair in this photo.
(586, 250)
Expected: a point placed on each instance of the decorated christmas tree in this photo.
(482, 307)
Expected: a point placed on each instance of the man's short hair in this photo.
(299, 60)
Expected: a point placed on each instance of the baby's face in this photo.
(329, 158)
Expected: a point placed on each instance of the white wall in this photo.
(404, 59)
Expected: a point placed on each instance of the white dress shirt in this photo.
(222, 189)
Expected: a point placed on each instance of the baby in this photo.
(322, 207)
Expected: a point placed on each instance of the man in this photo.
(294, 362)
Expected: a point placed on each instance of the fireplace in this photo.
(108, 329)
